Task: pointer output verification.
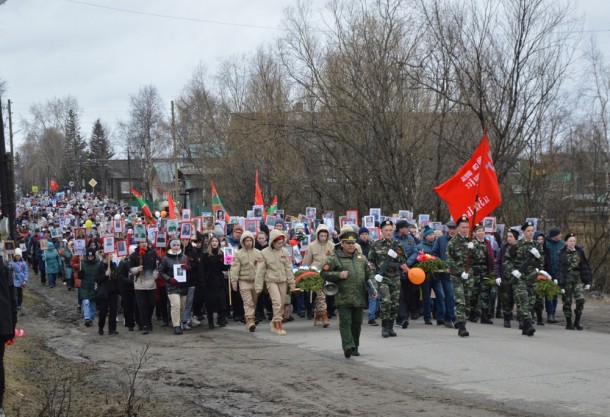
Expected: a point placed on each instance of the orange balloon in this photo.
(164, 214)
(417, 276)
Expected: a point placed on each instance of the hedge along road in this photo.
(426, 370)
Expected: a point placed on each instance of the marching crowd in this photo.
(190, 281)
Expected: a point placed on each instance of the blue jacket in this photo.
(20, 272)
(409, 245)
(551, 255)
(424, 246)
(52, 261)
(440, 246)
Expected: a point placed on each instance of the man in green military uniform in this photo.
(350, 270)
(522, 261)
(459, 258)
(387, 259)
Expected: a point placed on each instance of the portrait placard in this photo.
(179, 273)
(121, 248)
(108, 245)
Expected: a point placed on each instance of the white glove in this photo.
(378, 278)
(535, 252)
(392, 254)
(498, 281)
(464, 276)
(545, 274)
(516, 274)
(470, 245)
(563, 291)
(587, 287)
(556, 282)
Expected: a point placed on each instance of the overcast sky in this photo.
(102, 55)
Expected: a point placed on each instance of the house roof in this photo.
(120, 168)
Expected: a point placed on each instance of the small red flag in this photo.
(54, 185)
(258, 195)
(475, 181)
(171, 206)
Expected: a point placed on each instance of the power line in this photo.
(164, 16)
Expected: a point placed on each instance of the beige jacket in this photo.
(275, 265)
(316, 252)
(245, 261)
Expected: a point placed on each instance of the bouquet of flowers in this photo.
(547, 288)
(430, 263)
(308, 278)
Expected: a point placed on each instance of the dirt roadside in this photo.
(209, 372)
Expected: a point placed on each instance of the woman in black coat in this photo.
(215, 283)
(8, 320)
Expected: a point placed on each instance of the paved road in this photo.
(558, 372)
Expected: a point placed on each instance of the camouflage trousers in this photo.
(526, 298)
(507, 300)
(389, 291)
(574, 291)
(481, 292)
(462, 291)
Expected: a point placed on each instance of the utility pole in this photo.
(129, 169)
(177, 183)
(10, 135)
(7, 185)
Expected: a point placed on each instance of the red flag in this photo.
(475, 181)
(54, 185)
(145, 210)
(258, 195)
(172, 206)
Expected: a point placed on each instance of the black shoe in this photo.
(177, 330)
(391, 331)
(577, 325)
(440, 322)
(100, 332)
(540, 321)
(569, 325)
(88, 322)
(462, 332)
(355, 352)
(384, 329)
(498, 314)
(301, 314)
(404, 324)
(485, 318)
(520, 324)
(426, 321)
(222, 322)
(211, 323)
(165, 324)
(456, 325)
(373, 323)
(113, 332)
(507, 321)
(528, 329)
(144, 329)
(414, 316)
(347, 353)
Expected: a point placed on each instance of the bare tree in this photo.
(146, 132)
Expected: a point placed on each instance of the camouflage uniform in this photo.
(457, 259)
(479, 271)
(389, 288)
(518, 257)
(574, 273)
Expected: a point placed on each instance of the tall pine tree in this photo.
(100, 152)
(75, 151)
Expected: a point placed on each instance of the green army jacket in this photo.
(379, 253)
(457, 255)
(351, 290)
(518, 257)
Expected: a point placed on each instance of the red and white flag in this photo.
(474, 190)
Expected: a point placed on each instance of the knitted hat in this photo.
(401, 223)
(363, 230)
(429, 231)
(18, 252)
(238, 228)
(173, 242)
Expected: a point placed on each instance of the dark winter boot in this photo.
(473, 317)
(391, 331)
(177, 330)
(384, 329)
(211, 321)
(577, 325)
(528, 329)
(520, 324)
(485, 318)
(507, 321)
(462, 332)
(540, 322)
(569, 325)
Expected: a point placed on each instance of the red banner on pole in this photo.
(474, 190)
